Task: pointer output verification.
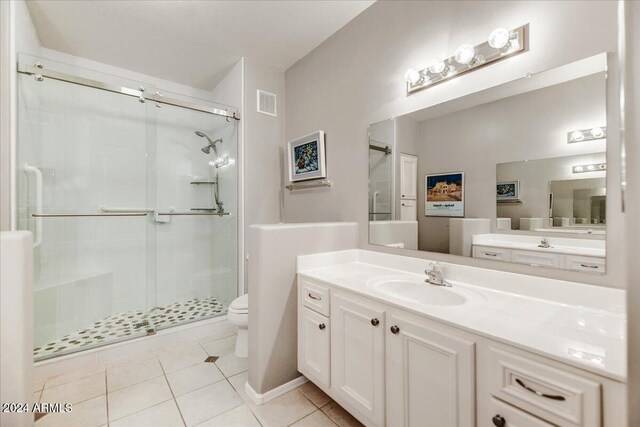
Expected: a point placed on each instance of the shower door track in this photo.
(40, 73)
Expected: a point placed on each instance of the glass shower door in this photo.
(196, 228)
(82, 184)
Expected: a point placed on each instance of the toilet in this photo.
(238, 315)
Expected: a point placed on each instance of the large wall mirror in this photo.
(515, 173)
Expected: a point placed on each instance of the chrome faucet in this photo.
(434, 275)
(544, 243)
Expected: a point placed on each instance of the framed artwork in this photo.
(444, 194)
(306, 157)
(508, 191)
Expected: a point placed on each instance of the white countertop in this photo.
(583, 247)
(590, 337)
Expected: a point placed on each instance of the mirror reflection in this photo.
(514, 173)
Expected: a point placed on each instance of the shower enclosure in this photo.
(131, 193)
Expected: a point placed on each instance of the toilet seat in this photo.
(240, 305)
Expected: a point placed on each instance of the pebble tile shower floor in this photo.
(132, 323)
(193, 383)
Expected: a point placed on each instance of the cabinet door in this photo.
(408, 176)
(314, 346)
(430, 375)
(357, 354)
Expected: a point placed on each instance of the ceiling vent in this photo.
(267, 103)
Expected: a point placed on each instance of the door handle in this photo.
(395, 329)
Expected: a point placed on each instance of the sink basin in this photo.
(415, 291)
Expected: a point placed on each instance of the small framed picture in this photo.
(508, 191)
(444, 194)
(306, 158)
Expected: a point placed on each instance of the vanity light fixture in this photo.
(595, 167)
(500, 44)
(597, 132)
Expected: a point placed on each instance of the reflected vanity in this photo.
(515, 173)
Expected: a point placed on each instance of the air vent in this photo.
(267, 103)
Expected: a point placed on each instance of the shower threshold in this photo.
(132, 324)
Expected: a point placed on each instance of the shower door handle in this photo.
(124, 210)
(37, 241)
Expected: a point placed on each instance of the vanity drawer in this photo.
(512, 416)
(315, 297)
(488, 252)
(554, 395)
(585, 263)
(538, 259)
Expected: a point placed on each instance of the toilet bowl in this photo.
(238, 315)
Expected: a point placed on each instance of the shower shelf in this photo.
(203, 182)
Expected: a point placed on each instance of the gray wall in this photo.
(355, 78)
(532, 125)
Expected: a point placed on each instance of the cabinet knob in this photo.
(499, 421)
(375, 322)
(395, 329)
(322, 326)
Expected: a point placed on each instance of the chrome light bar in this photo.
(468, 58)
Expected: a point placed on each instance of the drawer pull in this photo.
(395, 329)
(314, 297)
(548, 396)
(499, 421)
(588, 266)
(322, 326)
(491, 254)
(375, 322)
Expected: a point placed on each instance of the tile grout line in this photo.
(106, 392)
(243, 402)
(171, 391)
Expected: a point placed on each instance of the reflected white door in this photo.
(408, 177)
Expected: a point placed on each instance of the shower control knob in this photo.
(322, 326)
(375, 322)
(395, 329)
(499, 421)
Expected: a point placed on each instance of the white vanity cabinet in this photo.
(430, 374)
(389, 366)
(357, 354)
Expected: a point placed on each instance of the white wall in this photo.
(528, 126)
(346, 84)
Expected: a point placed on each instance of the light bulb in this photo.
(437, 65)
(597, 132)
(577, 136)
(464, 54)
(578, 169)
(412, 76)
(514, 44)
(499, 38)
(591, 168)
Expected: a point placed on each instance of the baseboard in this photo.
(260, 399)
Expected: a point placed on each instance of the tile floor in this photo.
(176, 387)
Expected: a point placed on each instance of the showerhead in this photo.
(212, 143)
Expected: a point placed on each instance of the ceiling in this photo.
(189, 42)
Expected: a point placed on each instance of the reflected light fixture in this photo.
(595, 167)
(598, 132)
(500, 44)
